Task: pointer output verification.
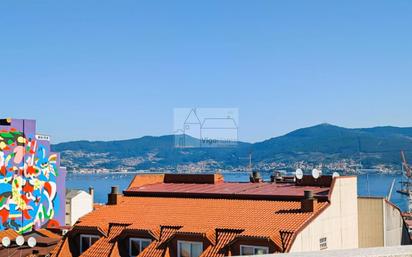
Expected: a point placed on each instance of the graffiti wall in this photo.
(32, 185)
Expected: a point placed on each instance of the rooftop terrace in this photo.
(213, 186)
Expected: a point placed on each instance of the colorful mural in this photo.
(28, 180)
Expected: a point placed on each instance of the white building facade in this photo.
(78, 204)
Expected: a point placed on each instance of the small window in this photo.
(137, 245)
(323, 243)
(189, 249)
(86, 241)
(253, 250)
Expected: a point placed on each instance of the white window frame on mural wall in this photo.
(254, 247)
(191, 243)
(90, 237)
(140, 240)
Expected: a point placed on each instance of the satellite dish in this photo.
(335, 174)
(316, 173)
(299, 173)
(5, 241)
(32, 242)
(20, 240)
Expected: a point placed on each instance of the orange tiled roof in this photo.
(146, 179)
(223, 238)
(10, 233)
(45, 243)
(276, 220)
(220, 221)
(104, 246)
(115, 252)
(158, 248)
(48, 233)
(62, 249)
(146, 212)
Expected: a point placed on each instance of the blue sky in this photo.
(104, 70)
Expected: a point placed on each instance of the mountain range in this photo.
(320, 144)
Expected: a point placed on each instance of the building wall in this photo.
(80, 205)
(394, 225)
(370, 222)
(338, 222)
(380, 223)
(31, 180)
(67, 219)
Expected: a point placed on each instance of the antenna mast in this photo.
(250, 162)
(405, 165)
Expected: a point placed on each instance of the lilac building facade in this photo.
(32, 183)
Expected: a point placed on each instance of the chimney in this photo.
(273, 178)
(91, 193)
(255, 177)
(114, 197)
(308, 202)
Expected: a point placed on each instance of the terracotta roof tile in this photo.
(146, 179)
(285, 239)
(115, 251)
(221, 219)
(86, 229)
(153, 231)
(47, 233)
(62, 249)
(104, 246)
(159, 248)
(255, 217)
(223, 238)
(10, 233)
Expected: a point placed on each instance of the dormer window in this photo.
(86, 241)
(253, 250)
(189, 249)
(137, 245)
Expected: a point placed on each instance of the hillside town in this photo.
(345, 166)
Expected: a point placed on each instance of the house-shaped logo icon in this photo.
(217, 128)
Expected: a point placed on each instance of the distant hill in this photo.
(323, 143)
(328, 142)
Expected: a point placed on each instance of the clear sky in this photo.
(103, 70)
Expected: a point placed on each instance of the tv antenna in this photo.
(249, 158)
